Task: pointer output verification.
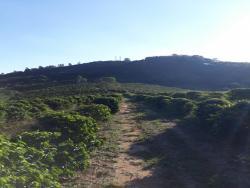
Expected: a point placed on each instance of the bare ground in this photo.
(129, 168)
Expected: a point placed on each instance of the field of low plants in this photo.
(219, 114)
(59, 142)
(48, 134)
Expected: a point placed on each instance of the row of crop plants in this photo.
(60, 143)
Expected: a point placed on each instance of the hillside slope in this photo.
(192, 72)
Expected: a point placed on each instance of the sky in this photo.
(50, 32)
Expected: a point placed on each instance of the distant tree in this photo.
(127, 60)
(60, 65)
(50, 67)
(26, 69)
(40, 67)
(70, 64)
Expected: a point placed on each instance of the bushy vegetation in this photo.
(60, 142)
(209, 110)
(192, 72)
(18, 110)
(75, 127)
(21, 166)
(111, 102)
(99, 112)
(179, 107)
(39, 158)
(233, 121)
(168, 106)
(66, 125)
(57, 103)
(217, 114)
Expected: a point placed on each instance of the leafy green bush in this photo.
(99, 112)
(170, 107)
(178, 107)
(209, 110)
(117, 96)
(63, 156)
(57, 103)
(71, 157)
(233, 120)
(38, 108)
(20, 166)
(158, 103)
(75, 127)
(18, 110)
(111, 102)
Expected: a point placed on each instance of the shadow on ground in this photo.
(185, 157)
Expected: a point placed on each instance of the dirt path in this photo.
(129, 168)
(115, 164)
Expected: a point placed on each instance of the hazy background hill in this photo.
(192, 72)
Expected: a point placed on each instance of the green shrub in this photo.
(170, 107)
(18, 110)
(209, 110)
(39, 139)
(178, 107)
(20, 166)
(111, 102)
(39, 159)
(99, 112)
(71, 157)
(75, 127)
(38, 108)
(57, 103)
(117, 96)
(158, 102)
(233, 120)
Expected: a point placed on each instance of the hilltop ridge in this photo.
(191, 72)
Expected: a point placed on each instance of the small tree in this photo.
(60, 65)
(127, 60)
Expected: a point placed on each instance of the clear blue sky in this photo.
(45, 32)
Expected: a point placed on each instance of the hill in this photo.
(190, 72)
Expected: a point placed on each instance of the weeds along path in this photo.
(128, 168)
(114, 165)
